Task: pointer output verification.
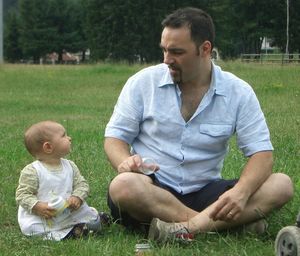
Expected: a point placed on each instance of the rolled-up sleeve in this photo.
(252, 131)
(125, 120)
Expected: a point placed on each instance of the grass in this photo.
(82, 99)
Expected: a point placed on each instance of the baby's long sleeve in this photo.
(26, 193)
(81, 188)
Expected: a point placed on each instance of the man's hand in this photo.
(74, 202)
(133, 164)
(43, 210)
(230, 205)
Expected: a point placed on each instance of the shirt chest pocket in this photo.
(216, 130)
(214, 137)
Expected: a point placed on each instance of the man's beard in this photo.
(177, 75)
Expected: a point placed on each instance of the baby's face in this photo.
(60, 141)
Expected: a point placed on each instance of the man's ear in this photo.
(205, 48)
(47, 147)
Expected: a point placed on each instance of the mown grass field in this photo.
(82, 99)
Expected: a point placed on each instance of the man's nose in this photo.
(168, 59)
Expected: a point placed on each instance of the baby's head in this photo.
(45, 138)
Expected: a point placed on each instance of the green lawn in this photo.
(82, 99)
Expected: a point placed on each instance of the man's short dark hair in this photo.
(200, 23)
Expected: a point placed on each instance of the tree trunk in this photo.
(60, 57)
(83, 56)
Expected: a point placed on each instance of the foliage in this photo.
(130, 30)
(12, 47)
(8, 4)
(50, 26)
(79, 20)
(279, 25)
(242, 28)
(36, 32)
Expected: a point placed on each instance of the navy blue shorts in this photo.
(197, 201)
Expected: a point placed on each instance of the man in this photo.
(182, 114)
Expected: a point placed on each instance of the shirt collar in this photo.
(166, 79)
(215, 86)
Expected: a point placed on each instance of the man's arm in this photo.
(118, 154)
(255, 173)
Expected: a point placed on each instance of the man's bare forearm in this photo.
(256, 172)
(116, 150)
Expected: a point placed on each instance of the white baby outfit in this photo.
(53, 184)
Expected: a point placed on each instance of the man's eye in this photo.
(177, 52)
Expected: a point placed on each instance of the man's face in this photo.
(180, 54)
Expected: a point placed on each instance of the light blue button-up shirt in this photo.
(190, 154)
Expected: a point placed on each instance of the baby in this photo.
(51, 190)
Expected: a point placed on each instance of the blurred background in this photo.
(77, 31)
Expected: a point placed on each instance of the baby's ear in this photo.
(47, 147)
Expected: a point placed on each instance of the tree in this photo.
(8, 4)
(279, 26)
(78, 13)
(130, 30)
(112, 29)
(127, 30)
(12, 48)
(241, 25)
(64, 21)
(221, 14)
(50, 26)
(37, 34)
(295, 26)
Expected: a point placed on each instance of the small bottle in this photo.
(148, 166)
(142, 249)
(61, 207)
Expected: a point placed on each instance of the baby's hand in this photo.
(42, 209)
(74, 202)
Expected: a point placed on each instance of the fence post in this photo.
(261, 58)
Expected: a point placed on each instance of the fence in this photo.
(271, 58)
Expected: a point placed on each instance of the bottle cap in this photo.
(57, 203)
